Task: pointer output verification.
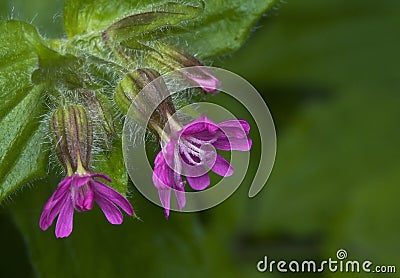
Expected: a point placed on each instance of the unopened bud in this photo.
(73, 135)
(152, 104)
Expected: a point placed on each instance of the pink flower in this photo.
(77, 192)
(191, 151)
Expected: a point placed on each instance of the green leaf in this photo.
(17, 61)
(87, 16)
(222, 27)
(60, 71)
(22, 155)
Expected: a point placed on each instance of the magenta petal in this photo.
(196, 170)
(62, 188)
(165, 198)
(162, 172)
(49, 214)
(110, 210)
(200, 182)
(204, 135)
(164, 179)
(222, 167)
(53, 206)
(180, 196)
(201, 124)
(236, 128)
(236, 144)
(44, 222)
(65, 219)
(113, 195)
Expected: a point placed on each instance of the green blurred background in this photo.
(329, 71)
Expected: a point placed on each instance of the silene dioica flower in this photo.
(72, 131)
(187, 150)
(191, 150)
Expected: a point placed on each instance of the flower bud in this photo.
(174, 59)
(152, 105)
(73, 135)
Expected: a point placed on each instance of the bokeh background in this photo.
(329, 71)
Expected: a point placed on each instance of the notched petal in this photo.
(200, 182)
(112, 195)
(65, 219)
(110, 210)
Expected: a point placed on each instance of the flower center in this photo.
(194, 150)
(82, 197)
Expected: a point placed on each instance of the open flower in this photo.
(191, 151)
(78, 192)
(72, 132)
